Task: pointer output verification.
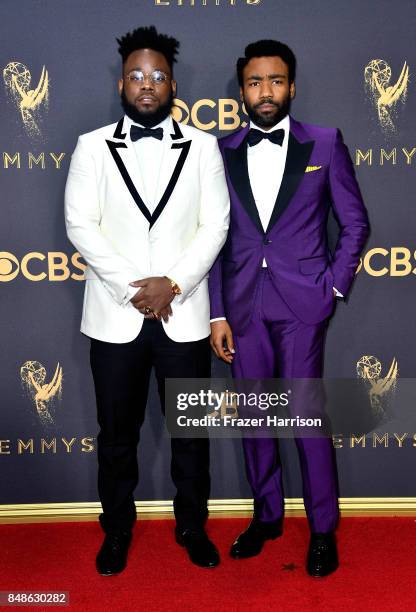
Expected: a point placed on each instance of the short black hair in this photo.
(148, 38)
(267, 48)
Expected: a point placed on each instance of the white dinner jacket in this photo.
(121, 241)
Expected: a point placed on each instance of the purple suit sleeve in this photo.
(351, 215)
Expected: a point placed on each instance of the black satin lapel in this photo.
(177, 134)
(298, 155)
(185, 146)
(118, 132)
(236, 160)
(113, 146)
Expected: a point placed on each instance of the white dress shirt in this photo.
(149, 153)
(266, 164)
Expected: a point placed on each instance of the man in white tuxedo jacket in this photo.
(146, 204)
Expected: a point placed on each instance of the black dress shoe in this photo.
(322, 555)
(250, 542)
(112, 557)
(200, 549)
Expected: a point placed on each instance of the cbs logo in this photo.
(398, 261)
(207, 114)
(54, 266)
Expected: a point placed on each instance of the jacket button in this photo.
(267, 241)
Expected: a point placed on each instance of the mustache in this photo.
(267, 101)
(148, 119)
(151, 96)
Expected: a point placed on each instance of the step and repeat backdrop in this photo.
(59, 69)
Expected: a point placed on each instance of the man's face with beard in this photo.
(266, 91)
(146, 103)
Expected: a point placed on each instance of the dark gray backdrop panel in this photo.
(333, 41)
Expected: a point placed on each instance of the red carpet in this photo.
(377, 568)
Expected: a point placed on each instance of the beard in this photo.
(268, 120)
(150, 118)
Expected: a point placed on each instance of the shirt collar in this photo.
(283, 124)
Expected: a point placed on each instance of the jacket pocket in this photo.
(313, 265)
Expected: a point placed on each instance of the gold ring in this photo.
(147, 310)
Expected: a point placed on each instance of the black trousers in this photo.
(121, 375)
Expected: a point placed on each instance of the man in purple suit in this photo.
(275, 283)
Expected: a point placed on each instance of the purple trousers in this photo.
(277, 344)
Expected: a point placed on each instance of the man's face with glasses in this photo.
(147, 82)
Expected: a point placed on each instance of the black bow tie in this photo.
(137, 132)
(255, 136)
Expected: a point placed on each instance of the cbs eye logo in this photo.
(52, 266)
(180, 111)
(9, 266)
(207, 114)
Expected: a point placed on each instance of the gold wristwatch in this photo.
(176, 290)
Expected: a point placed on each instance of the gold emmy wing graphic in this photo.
(33, 375)
(377, 76)
(17, 79)
(369, 369)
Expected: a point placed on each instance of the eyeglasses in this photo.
(157, 77)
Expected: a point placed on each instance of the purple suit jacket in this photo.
(318, 174)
